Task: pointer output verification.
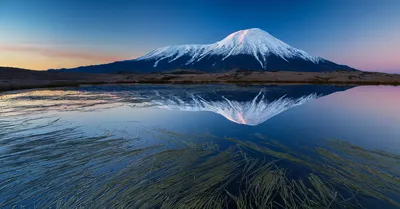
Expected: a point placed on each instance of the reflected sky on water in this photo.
(47, 128)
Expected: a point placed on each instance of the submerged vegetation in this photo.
(184, 179)
(186, 171)
(49, 163)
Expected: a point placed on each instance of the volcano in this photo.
(251, 49)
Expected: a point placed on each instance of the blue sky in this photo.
(42, 34)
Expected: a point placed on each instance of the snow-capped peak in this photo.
(249, 36)
(254, 42)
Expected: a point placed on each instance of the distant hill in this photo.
(13, 72)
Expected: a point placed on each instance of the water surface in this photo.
(140, 145)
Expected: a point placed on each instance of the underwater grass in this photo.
(186, 171)
(184, 179)
(210, 183)
(370, 173)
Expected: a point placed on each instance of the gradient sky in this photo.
(42, 34)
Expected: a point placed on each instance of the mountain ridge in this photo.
(252, 49)
(251, 42)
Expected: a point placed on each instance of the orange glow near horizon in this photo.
(44, 58)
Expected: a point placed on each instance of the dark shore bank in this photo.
(15, 79)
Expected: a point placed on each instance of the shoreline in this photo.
(61, 85)
(11, 79)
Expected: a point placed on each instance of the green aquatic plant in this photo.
(180, 170)
(196, 178)
(367, 172)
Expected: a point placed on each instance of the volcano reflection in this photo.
(251, 106)
(251, 113)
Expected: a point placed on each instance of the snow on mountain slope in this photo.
(254, 42)
(252, 49)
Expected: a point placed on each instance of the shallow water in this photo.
(97, 146)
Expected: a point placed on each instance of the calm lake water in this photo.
(201, 146)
